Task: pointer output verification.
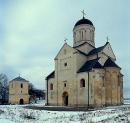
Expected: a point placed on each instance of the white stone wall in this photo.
(52, 94)
(83, 33)
(97, 87)
(82, 97)
(65, 74)
(80, 61)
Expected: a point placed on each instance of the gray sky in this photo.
(33, 31)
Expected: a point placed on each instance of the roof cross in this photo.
(65, 40)
(107, 39)
(83, 13)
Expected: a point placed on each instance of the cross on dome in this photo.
(83, 13)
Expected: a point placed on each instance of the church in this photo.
(85, 76)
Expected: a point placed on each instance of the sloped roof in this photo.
(19, 79)
(89, 65)
(51, 75)
(110, 63)
(81, 52)
(83, 44)
(97, 50)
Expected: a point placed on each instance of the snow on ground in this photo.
(18, 114)
(5, 121)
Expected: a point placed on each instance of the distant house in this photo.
(18, 91)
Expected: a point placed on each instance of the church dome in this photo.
(83, 21)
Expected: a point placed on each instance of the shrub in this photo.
(1, 111)
(29, 116)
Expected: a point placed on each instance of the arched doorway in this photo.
(21, 101)
(65, 98)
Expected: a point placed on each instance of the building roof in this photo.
(51, 75)
(19, 79)
(89, 65)
(81, 52)
(83, 44)
(97, 50)
(110, 63)
(83, 21)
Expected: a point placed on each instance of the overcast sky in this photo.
(33, 31)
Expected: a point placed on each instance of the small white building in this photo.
(18, 91)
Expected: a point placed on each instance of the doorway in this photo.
(65, 98)
(21, 101)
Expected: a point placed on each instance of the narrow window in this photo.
(82, 35)
(64, 84)
(65, 64)
(103, 81)
(118, 80)
(51, 86)
(12, 85)
(82, 83)
(85, 35)
(21, 85)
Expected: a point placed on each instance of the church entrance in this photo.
(65, 98)
(21, 101)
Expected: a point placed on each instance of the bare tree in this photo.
(3, 88)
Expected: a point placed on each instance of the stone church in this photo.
(85, 75)
(18, 91)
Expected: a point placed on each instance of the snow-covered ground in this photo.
(19, 114)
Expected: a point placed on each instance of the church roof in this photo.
(89, 65)
(82, 52)
(83, 44)
(83, 21)
(110, 63)
(19, 79)
(51, 75)
(97, 50)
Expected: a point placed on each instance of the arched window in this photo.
(64, 84)
(21, 85)
(82, 83)
(51, 86)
